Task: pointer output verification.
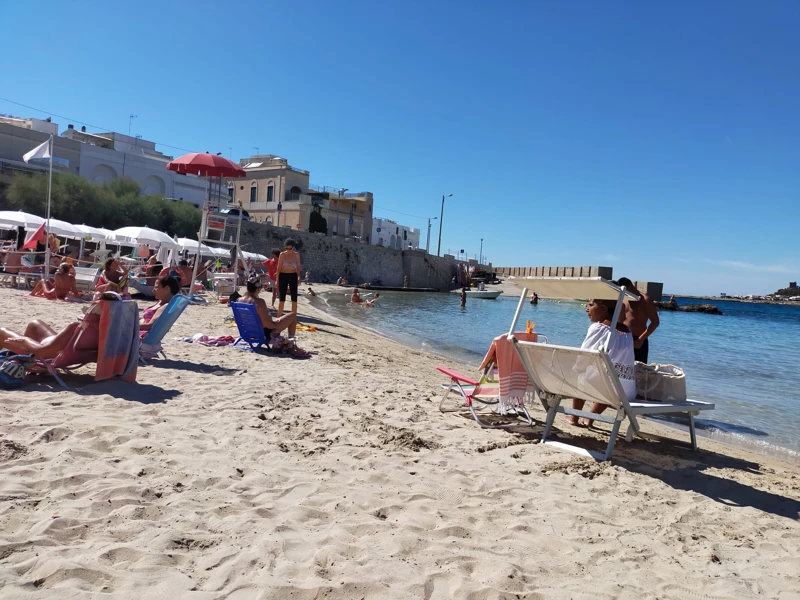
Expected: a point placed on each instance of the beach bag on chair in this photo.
(13, 368)
(660, 383)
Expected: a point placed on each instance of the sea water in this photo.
(747, 361)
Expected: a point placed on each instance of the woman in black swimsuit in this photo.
(288, 275)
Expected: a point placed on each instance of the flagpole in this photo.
(47, 225)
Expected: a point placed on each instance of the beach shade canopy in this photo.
(575, 288)
(206, 165)
(190, 246)
(143, 236)
(9, 219)
(97, 234)
(64, 229)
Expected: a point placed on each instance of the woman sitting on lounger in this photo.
(272, 325)
(164, 289)
(114, 277)
(620, 351)
(62, 288)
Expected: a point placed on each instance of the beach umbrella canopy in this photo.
(10, 219)
(98, 234)
(206, 165)
(143, 235)
(64, 229)
(190, 246)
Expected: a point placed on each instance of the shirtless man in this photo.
(635, 316)
(63, 285)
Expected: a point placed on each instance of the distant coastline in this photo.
(734, 299)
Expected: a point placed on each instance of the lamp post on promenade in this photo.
(441, 219)
(338, 207)
(428, 243)
(480, 257)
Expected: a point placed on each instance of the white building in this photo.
(108, 156)
(390, 234)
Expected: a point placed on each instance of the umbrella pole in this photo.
(46, 269)
(200, 235)
(239, 255)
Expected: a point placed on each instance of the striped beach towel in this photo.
(514, 383)
(118, 353)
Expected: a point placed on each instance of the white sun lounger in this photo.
(86, 278)
(563, 373)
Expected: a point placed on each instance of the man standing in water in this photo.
(463, 297)
(635, 316)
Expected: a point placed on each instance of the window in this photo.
(253, 193)
(230, 194)
(397, 230)
(270, 193)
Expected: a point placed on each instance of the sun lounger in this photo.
(562, 373)
(251, 332)
(110, 339)
(503, 385)
(151, 343)
(86, 278)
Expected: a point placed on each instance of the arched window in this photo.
(269, 220)
(253, 192)
(270, 191)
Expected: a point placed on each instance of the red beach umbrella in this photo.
(206, 165)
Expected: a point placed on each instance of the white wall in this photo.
(102, 165)
(393, 235)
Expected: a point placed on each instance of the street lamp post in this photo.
(441, 219)
(480, 258)
(428, 243)
(338, 207)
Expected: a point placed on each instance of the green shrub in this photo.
(112, 205)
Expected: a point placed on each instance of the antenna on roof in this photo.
(130, 121)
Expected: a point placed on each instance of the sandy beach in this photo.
(226, 474)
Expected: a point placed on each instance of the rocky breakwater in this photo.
(708, 309)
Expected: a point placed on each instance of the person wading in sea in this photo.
(463, 297)
(636, 315)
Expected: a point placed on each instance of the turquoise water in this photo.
(747, 361)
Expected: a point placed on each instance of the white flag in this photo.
(41, 151)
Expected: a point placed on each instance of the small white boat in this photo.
(485, 294)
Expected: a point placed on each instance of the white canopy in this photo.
(190, 246)
(97, 234)
(10, 219)
(64, 229)
(143, 235)
(575, 288)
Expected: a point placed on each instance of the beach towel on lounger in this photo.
(118, 353)
(514, 382)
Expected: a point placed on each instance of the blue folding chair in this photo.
(151, 343)
(251, 332)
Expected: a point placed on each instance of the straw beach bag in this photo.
(660, 383)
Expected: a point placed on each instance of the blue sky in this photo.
(662, 139)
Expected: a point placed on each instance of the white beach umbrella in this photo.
(10, 219)
(97, 234)
(64, 229)
(144, 235)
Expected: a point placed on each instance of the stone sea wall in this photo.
(329, 258)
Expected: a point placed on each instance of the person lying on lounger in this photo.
(620, 351)
(272, 325)
(39, 339)
(371, 303)
(164, 289)
(63, 285)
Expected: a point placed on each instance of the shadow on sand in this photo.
(184, 365)
(672, 461)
